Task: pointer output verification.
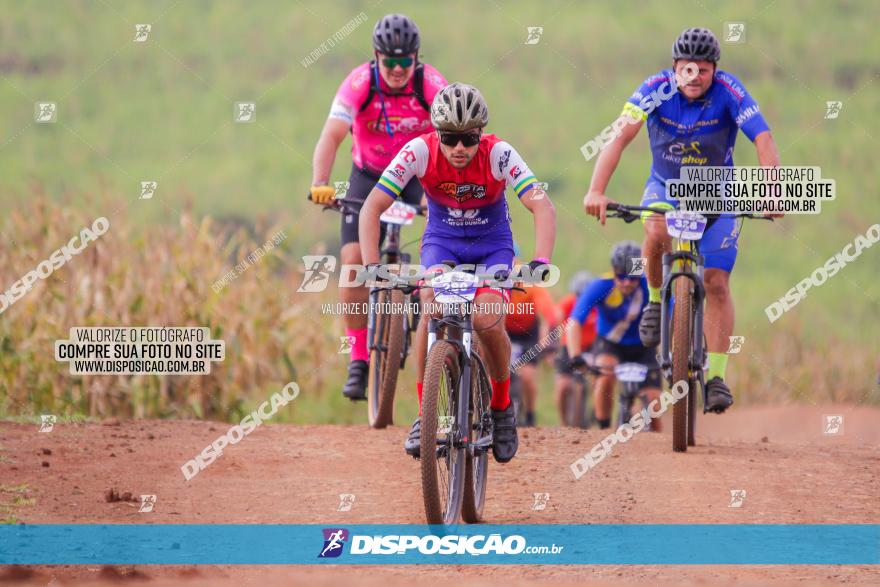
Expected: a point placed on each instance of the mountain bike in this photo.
(682, 354)
(389, 334)
(456, 421)
(516, 383)
(575, 408)
(631, 376)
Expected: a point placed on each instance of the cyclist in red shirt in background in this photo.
(384, 104)
(530, 316)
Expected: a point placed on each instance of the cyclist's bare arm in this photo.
(332, 135)
(573, 338)
(542, 209)
(768, 156)
(368, 224)
(595, 202)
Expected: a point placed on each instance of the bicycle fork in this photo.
(460, 336)
(695, 360)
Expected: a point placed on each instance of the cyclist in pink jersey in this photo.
(465, 173)
(384, 104)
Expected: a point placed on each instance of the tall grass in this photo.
(162, 110)
(162, 275)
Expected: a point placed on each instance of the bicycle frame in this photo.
(679, 264)
(459, 332)
(391, 255)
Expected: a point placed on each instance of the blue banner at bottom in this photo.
(652, 544)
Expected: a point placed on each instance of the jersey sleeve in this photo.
(434, 82)
(506, 163)
(634, 107)
(743, 108)
(596, 291)
(411, 161)
(351, 93)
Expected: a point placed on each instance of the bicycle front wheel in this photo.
(477, 470)
(385, 359)
(443, 452)
(682, 324)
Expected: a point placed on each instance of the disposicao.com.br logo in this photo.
(449, 544)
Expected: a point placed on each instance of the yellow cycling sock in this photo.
(654, 294)
(717, 365)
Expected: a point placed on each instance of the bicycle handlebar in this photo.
(415, 281)
(627, 213)
(342, 205)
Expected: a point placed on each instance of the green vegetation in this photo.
(163, 110)
(17, 498)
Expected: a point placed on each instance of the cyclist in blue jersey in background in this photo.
(619, 298)
(695, 126)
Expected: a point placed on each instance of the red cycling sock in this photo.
(419, 391)
(359, 348)
(500, 394)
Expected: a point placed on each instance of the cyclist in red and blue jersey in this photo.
(384, 104)
(693, 125)
(464, 173)
(619, 299)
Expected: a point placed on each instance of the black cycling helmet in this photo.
(696, 44)
(396, 34)
(622, 255)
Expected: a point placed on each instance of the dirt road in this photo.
(790, 470)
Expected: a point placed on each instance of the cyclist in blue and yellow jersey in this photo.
(620, 299)
(696, 125)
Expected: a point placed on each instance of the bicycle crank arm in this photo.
(481, 446)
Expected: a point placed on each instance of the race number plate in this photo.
(685, 225)
(631, 372)
(454, 287)
(398, 213)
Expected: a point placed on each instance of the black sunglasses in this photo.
(627, 277)
(468, 139)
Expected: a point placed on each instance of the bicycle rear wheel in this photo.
(682, 325)
(476, 474)
(385, 360)
(443, 453)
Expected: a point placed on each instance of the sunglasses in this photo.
(627, 277)
(468, 139)
(391, 62)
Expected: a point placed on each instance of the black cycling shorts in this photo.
(631, 353)
(360, 183)
(522, 343)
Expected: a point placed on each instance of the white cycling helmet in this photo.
(459, 108)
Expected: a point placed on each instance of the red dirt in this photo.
(294, 474)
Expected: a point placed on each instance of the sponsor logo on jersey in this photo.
(504, 161)
(358, 80)
(747, 114)
(461, 192)
(410, 124)
(515, 171)
(398, 171)
(688, 153)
